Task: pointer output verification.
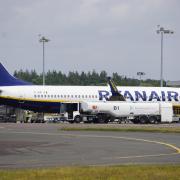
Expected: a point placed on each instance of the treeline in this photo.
(76, 78)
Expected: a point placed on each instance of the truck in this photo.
(137, 112)
(71, 112)
(120, 111)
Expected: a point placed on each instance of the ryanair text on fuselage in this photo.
(143, 95)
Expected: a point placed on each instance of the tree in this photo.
(74, 78)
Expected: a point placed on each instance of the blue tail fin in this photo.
(7, 80)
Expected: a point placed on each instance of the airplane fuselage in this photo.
(50, 98)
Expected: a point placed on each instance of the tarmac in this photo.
(46, 145)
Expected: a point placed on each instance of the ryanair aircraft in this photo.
(39, 98)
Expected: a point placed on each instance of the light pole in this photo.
(140, 74)
(162, 31)
(43, 40)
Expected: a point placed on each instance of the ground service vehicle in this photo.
(137, 112)
(104, 112)
(71, 112)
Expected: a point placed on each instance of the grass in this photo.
(145, 172)
(125, 129)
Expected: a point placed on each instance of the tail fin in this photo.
(116, 96)
(7, 80)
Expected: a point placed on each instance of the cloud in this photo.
(98, 34)
(121, 11)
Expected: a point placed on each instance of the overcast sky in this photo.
(112, 35)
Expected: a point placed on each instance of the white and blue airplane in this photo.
(17, 93)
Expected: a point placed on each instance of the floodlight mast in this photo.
(43, 40)
(162, 31)
(140, 74)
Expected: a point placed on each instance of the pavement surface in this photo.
(45, 145)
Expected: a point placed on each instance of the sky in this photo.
(85, 35)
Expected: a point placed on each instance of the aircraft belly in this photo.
(37, 106)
